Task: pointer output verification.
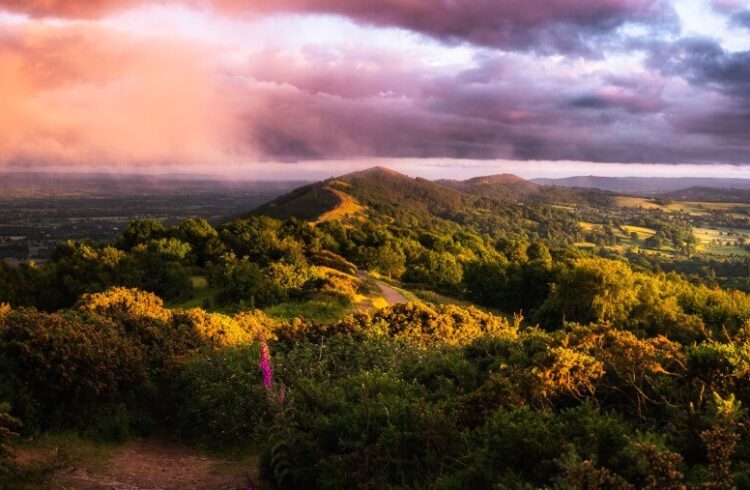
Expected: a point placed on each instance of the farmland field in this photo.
(722, 241)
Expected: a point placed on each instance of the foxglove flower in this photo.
(265, 365)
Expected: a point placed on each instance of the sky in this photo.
(439, 88)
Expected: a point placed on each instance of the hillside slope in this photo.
(388, 196)
(308, 203)
(514, 189)
(379, 189)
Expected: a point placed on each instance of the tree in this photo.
(385, 259)
(436, 269)
(141, 231)
(198, 233)
(592, 290)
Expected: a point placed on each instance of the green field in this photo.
(625, 239)
(722, 241)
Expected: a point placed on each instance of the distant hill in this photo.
(514, 189)
(645, 185)
(307, 203)
(379, 190)
(502, 186)
(708, 194)
(58, 184)
(499, 206)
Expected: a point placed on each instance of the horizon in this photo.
(428, 169)
(444, 89)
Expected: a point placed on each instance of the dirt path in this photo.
(157, 463)
(390, 294)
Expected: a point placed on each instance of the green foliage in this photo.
(101, 365)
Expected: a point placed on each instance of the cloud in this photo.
(75, 9)
(84, 92)
(542, 26)
(741, 18)
(81, 93)
(724, 80)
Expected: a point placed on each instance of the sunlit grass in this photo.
(347, 207)
(315, 310)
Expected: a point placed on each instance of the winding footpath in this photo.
(391, 295)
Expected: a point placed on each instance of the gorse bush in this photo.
(66, 368)
(110, 356)
(413, 323)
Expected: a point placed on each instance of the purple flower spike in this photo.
(265, 365)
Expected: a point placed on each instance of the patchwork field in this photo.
(722, 241)
(717, 240)
(694, 208)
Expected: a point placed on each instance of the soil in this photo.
(154, 464)
(391, 295)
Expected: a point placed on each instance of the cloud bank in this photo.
(605, 81)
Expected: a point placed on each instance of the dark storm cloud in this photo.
(502, 108)
(741, 19)
(721, 75)
(703, 61)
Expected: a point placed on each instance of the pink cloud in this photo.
(82, 93)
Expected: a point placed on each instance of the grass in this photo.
(203, 295)
(46, 453)
(427, 296)
(642, 232)
(625, 240)
(199, 282)
(315, 310)
(379, 303)
(634, 202)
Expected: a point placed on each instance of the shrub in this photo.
(8, 427)
(212, 329)
(218, 399)
(369, 430)
(424, 324)
(67, 369)
(116, 302)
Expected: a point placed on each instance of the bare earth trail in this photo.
(390, 294)
(156, 464)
